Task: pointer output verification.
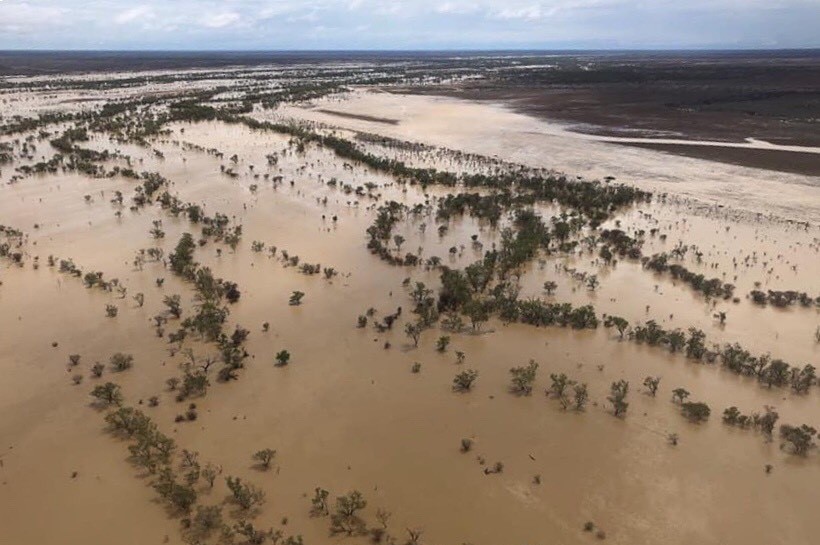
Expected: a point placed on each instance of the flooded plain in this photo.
(495, 130)
(351, 411)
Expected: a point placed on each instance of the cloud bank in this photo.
(408, 24)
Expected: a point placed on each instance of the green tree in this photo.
(107, 394)
(803, 379)
(210, 472)
(560, 383)
(174, 304)
(776, 373)
(245, 495)
(676, 340)
(399, 240)
(345, 518)
(206, 520)
(478, 312)
(319, 502)
(680, 394)
(523, 378)
(765, 422)
(618, 323)
(264, 457)
(580, 396)
(182, 258)
(799, 438)
(179, 496)
(282, 358)
(696, 411)
(413, 330)
(695, 346)
(463, 381)
(617, 396)
(652, 384)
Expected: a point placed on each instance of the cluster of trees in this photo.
(764, 422)
(380, 231)
(346, 517)
(468, 291)
(154, 452)
(14, 242)
(210, 314)
(93, 279)
(617, 397)
(151, 449)
(620, 243)
(797, 439)
(783, 298)
(217, 227)
(568, 392)
(769, 371)
(692, 341)
(710, 287)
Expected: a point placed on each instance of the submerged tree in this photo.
(696, 411)
(799, 438)
(617, 397)
(680, 394)
(182, 258)
(523, 378)
(463, 381)
(413, 330)
(206, 521)
(107, 394)
(245, 495)
(319, 502)
(174, 304)
(618, 323)
(264, 457)
(560, 383)
(652, 384)
(121, 362)
(282, 358)
(345, 518)
(580, 396)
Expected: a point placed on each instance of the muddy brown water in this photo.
(347, 413)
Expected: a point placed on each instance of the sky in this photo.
(408, 24)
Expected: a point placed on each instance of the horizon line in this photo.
(416, 50)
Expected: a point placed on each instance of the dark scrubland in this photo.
(723, 96)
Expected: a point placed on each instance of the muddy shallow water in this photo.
(498, 131)
(349, 414)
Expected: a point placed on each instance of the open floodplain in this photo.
(301, 304)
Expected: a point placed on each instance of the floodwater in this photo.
(498, 131)
(347, 413)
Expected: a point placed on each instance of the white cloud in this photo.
(261, 24)
(525, 12)
(23, 16)
(134, 14)
(221, 20)
(456, 8)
